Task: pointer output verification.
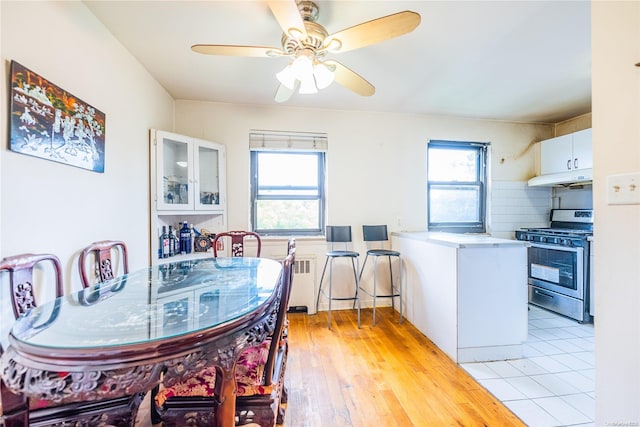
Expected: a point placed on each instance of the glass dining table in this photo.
(158, 324)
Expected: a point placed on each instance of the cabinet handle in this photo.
(569, 164)
(575, 163)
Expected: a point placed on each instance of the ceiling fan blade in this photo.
(372, 32)
(350, 79)
(284, 93)
(230, 50)
(288, 16)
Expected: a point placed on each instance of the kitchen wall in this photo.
(49, 207)
(376, 164)
(616, 110)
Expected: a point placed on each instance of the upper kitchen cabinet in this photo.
(189, 174)
(566, 153)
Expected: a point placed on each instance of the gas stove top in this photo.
(569, 227)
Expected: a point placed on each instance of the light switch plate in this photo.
(623, 189)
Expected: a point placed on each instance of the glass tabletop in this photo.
(155, 303)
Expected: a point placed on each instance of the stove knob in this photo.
(543, 239)
(568, 242)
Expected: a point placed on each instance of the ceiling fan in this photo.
(307, 43)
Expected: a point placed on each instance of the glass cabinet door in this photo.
(174, 173)
(190, 174)
(207, 182)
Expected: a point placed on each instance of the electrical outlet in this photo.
(623, 189)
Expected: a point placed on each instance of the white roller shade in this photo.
(294, 141)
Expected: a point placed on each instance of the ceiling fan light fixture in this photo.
(323, 76)
(287, 77)
(308, 85)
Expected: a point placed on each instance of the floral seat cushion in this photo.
(249, 374)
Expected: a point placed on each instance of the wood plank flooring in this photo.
(387, 375)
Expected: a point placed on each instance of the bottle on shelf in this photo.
(185, 239)
(172, 245)
(164, 242)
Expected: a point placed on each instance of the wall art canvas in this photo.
(49, 122)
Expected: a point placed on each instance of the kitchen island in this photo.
(467, 293)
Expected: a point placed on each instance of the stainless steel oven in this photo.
(558, 263)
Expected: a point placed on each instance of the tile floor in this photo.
(554, 384)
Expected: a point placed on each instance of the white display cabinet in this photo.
(188, 183)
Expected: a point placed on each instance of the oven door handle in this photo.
(542, 294)
(576, 249)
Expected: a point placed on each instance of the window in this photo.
(287, 184)
(456, 186)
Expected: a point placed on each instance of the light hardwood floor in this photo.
(387, 375)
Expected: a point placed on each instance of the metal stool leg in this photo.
(356, 267)
(326, 261)
(375, 287)
(400, 285)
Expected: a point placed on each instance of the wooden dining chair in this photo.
(237, 240)
(103, 265)
(259, 376)
(19, 410)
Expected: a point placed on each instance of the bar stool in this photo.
(337, 235)
(378, 233)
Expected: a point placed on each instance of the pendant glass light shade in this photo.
(324, 77)
(287, 77)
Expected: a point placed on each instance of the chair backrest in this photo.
(237, 242)
(286, 281)
(104, 253)
(20, 269)
(338, 236)
(374, 233)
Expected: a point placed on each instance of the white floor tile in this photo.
(589, 373)
(566, 346)
(545, 348)
(502, 390)
(531, 414)
(585, 344)
(587, 357)
(555, 384)
(504, 369)
(550, 364)
(583, 403)
(577, 380)
(479, 371)
(529, 387)
(573, 362)
(562, 411)
(528, 367)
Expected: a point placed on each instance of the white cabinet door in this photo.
(174, 172)
(556, 155)
(582, 149)
(190, 174)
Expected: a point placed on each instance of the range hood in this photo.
(580, 176)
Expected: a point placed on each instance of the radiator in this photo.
(303, 292)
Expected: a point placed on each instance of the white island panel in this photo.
(468, 294)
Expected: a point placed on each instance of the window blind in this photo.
(294, 141)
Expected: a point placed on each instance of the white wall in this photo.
(616, 136)
(51, 207)
(376, 161)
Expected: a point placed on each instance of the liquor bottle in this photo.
(176, 242)
(164, 240)
(172, 243)
(185, 239)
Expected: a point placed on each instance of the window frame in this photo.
(321, 196)
(480, 184)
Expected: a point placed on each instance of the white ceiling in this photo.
(524, 61)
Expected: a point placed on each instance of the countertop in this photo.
(459, 240)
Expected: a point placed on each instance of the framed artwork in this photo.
(49, 122)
